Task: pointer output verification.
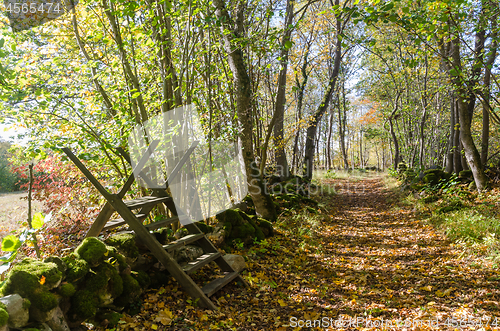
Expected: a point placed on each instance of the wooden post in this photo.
(35, 243)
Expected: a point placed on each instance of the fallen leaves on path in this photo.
(359, 262)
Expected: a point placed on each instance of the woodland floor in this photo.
(363, 260)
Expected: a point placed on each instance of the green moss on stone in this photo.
(25, 279)
(92, 250)
(231, 215)
(258, 232)
(112, 317)
(114, 257)
(465, 174)
(26, 304)
(142, 278)
(83, 305)
(265, 226)
(77, 267)
(38, 269)
(43, 300)
(58, 261)
(105, 278)
(67, 290)
(431, 179)
(4, 316)
(204, 227)
(131, 291)
(125, 243)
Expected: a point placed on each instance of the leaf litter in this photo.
(361, 255)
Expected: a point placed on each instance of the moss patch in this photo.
(125, 243)
(67, 290)
(142, 278)
(92, 250)
(83, 305)
(265, 226)
(27, 278)
(43, 300)
(131, 291)
(77, 268)
(4, 317)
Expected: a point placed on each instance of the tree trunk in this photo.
(279, 144)
(457, 151)
(466, 100)
(316, 118)
(451, 140)
(485, 134)
(263, 204)
(393, 133)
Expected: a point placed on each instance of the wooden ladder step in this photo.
(119, 222)
(219, 283)
(183, 241)
(200, 262)
(145, 202)
(161, 223)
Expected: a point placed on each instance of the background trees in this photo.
(327, 84)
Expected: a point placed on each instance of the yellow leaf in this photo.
(427, 288)
(165, 317)
(448, 291)
(154, 326)
(42, 280)
(282, 303)
(440, 294)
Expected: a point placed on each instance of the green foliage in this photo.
(11, 244)
(4, 317)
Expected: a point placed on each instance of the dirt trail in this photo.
(393, 266)
(358, 262)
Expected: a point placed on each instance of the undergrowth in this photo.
(470, 220)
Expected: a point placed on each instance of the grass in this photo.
(14, 211)
(342, 174)
(474, 226)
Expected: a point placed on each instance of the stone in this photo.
(57, 322)
(217, 237)
(237, 262)
(42, 316)
(18, 309)
(187, 253)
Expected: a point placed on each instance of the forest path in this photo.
(361, 260)
(393, 266)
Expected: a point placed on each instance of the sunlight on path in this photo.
(388, 264)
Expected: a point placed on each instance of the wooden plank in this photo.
(107, 210)
(161, 254)
(145, 202)
(161, 223)
(219, 283)
(200, 262)
(119, 222)
(183, 241)
(87, 174)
